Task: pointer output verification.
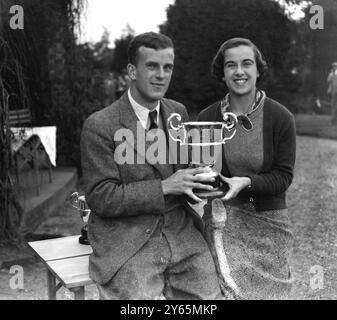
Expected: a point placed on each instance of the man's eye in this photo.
(168, 68)
(151, 66)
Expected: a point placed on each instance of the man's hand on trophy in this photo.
(236, 185)
(185, 180)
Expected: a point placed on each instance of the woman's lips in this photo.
(240, 81)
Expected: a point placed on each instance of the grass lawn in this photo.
(313, 211)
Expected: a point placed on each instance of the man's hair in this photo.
(151, 40)
(217, 67)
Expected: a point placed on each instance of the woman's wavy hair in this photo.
(217, 67)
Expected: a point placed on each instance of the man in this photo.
(332, 90)
(143, 233)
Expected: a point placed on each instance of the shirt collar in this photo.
(142, 113)
(260, 96)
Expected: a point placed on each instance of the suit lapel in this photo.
(174, 148)
(130, 121)
(140, 144)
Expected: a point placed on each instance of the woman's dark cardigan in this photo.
(268, 187)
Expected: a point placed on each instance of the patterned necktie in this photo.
(153, 120)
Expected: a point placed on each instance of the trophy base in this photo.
(216, 193)
(83, 239)
(218, 189)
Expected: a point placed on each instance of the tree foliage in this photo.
(321, 46)
(311, 53)
(199, 27)
(25, 76)
(10, 208)
(120, 59)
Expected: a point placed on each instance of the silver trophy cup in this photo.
(79, 203)
(204, 141)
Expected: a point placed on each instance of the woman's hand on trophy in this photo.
(185, 180)
(235, 184)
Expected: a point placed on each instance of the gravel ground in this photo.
(312, 205)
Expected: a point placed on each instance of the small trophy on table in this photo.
(79, 203)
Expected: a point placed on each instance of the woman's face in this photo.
(240, 70)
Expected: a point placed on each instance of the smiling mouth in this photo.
(240, 81)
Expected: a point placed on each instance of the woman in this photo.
(257, 167)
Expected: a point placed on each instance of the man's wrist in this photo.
(164, 187)
(248, 183)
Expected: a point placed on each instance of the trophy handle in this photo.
(230, 122)
(79, 203)
(169, 120)
(74, 200)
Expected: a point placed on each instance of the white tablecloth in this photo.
(47, 136)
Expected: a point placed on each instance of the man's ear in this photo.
(131, 71)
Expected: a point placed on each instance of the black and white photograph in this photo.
(161, 150)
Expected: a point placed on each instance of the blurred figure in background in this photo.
(123, 83)
(332, 91)
(109, 89)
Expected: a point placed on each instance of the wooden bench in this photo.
(67, 261)
(19, 117)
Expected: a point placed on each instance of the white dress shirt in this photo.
(142, 113)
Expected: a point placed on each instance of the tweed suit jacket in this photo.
(126, 200)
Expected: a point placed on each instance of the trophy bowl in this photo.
(78, 202)
(204, 141)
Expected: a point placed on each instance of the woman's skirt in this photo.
(257, 246)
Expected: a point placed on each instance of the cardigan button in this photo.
(251, 199)
(148, 231)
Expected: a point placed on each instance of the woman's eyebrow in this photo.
(244, 60)
(229, 61)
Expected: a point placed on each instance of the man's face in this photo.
(240, 70)
(152, 75)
